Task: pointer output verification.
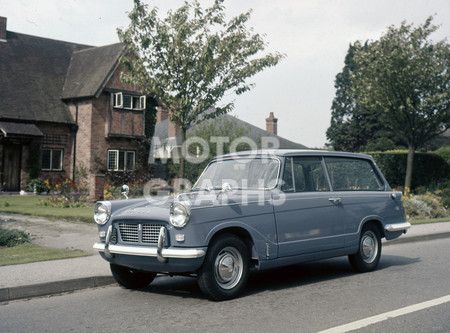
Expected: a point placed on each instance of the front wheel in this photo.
(131, 278)
(225, 269)
(369, 252)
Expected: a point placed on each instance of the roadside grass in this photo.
(29, 205)
(26, 253)
(435, 220)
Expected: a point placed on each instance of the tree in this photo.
(192, 58)
(406, 75)
(353, 127)
(219, 133)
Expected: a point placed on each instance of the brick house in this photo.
(62, 107)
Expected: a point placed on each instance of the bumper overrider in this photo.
(398, 227)
(394, 230)
(161, 253)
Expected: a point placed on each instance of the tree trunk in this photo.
(182, 160)
(409, 167)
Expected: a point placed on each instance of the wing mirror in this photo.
(125, 191)
(226, 187)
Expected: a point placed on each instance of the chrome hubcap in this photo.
(228, 268)
(369, 247)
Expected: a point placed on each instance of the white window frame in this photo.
(117, 159)
(143, 102)
(52, 168)
(118, 100)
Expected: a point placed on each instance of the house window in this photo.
(52, 159)
(118, 100)
(129, 102)
(119, 160)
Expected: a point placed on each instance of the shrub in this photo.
(13, 237)
(37, 184)
(424, 206)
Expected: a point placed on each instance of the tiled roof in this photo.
(253, 132)
(32, 75)
(89, 69)
(19, 129)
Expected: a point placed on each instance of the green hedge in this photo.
(428, 169)
(444, 152)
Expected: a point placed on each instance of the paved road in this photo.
(303, 298)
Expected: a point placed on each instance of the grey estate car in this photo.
(252, 211)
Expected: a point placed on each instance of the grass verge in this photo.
(29, 205)
(423, 221)
(26, 253)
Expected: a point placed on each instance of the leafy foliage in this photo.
(430, 169)
(406, 76)
(38, 185)
(444, 152)
(13, 237)
(353, 127)
(424, 206)
(191, 58)
(219, 128)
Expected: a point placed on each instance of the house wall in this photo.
(56, 136)
(115, 82)
(82, 113)
(122, 121)
(101, 128)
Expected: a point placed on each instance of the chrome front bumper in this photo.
(398, 227)
(159, 252)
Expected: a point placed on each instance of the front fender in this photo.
(263, 247)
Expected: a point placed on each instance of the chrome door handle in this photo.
(336, 201)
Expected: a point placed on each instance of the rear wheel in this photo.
(368, 255)
(225, 270)
(131, 278)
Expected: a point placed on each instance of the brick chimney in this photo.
(271, 124)
(3, 29)
(161, 114)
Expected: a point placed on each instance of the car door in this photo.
(309, 217)
(361, 189)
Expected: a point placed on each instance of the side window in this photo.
(299, 176)
(313, 174)
(349, 174)
(304, 174)
(288, 184)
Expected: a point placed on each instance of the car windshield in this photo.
(240, 173)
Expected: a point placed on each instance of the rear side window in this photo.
(304, 174)
(349, 174)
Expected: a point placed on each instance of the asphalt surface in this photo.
(58, 276)
(409, 291)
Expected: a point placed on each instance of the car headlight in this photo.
(102, 212)
(179, 214)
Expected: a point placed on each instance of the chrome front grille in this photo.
(150, 233)
(129, 232)
(139, 233)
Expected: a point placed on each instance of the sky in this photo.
(314, 34)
